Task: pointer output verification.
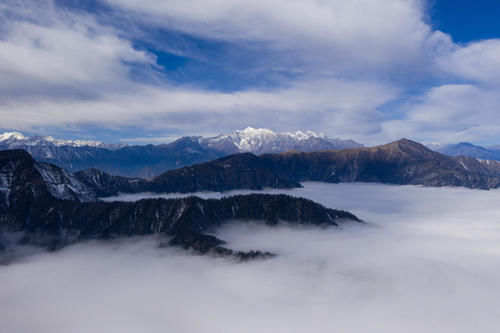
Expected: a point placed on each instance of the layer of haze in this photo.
(427, 261)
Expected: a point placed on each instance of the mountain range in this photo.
(468, 149)
(53, 208)
(400, 162)
(16, 140)
(148, 161)
(151, 160)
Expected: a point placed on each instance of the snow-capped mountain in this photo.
(262, 140)
(16, 140)
(149, 160)
(21, 179)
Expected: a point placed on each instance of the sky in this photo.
(139, 71)
(427, 260)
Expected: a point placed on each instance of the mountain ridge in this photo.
(400, 162)
(55, 219)
(468, 149)
(151, 160)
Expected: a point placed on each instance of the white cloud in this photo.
(450, 113)
(57, 53)
(339, 105)
(60, 55)
(478, 61)
(428, 262)
(458, 111)
(348, 59)
(329, 36)
(65, 69)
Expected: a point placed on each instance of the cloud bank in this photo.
(369, 70)
(427, 262)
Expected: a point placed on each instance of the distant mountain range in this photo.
(16, 140)
(261, 141)
(468, 149)
(151, 160)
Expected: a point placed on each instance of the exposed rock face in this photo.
(63, 185)
(491, 166)
(53, 209)
(104, 184)
(23, 179)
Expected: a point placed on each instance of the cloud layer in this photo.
(360, 34)
(427, 262)
(370, 70)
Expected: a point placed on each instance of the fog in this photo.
(428, 260)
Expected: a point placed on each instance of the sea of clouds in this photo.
(428, 260)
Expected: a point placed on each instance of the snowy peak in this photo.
(11, 136)
(251, 139)
(299, 135)
(262, 140)
(13, 140)
(253, 132)
(151, 160)
(72, 143)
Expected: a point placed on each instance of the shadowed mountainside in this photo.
(44, 203)
(400, 162)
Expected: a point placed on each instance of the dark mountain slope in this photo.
(400, 162)
(24, 180)
(59, 222)
(136, 161)
(234, 172)
(55, 219)
(104, 184)
(240, 171)
(133, 161)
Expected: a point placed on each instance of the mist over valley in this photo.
(427, 259)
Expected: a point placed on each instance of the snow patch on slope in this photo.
(11, 136)
(63, 185)
(6, 177)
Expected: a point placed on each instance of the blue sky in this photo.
(466, 21)
(151, 71)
